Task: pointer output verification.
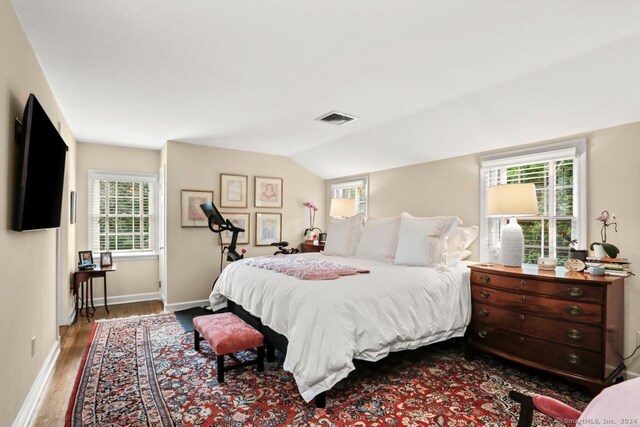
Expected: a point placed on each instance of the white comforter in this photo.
(331, 322)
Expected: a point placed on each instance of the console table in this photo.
(84, 280)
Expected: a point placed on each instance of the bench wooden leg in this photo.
(220, 368)
(196, 340)
(261, 358)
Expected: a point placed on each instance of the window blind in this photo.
(352, 189)
(557, 179)
(122, 213)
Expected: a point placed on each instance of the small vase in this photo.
(599, 252)
(308, 236)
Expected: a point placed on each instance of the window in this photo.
(356, 188)
(122, 213)
(559, 174)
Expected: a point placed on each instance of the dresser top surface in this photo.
(532, 271)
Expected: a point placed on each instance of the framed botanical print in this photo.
(191, 214)
(233, 191)
(268, 228)
(268, 192)
(240, 220)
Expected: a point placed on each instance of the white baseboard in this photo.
(184, 305)
(631, 375)
(25, 416)
(71, 315)
(126, 299)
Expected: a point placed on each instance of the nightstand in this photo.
(567, 323)
(310, 247)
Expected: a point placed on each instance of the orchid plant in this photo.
(607, 220)
(312, 217)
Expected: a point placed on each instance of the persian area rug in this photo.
(144, 371)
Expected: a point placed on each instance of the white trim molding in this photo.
(185, 305)
(30, 404)
(127, 299)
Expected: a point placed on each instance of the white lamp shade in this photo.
(512, 200)
(343, 207)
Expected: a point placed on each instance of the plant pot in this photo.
(580, 254)
(599, 251)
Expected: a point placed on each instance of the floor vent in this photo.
(336, 118)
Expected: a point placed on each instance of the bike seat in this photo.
(280, 244)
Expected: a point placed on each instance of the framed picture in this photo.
(240, 220)
(233, 191)
(72, 209)
(268, 228)
(192, 215)
(268, 192)
(105, 259)
(85, 258)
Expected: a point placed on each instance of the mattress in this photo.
(328, 323)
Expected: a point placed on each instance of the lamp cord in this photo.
(634, 352)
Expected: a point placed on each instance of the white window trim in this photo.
(350, 182)
(575, 148)
(124, 176)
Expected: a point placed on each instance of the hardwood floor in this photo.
(73, 342)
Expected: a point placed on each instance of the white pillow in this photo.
(465, 254)
(343, 235)
(379, 239)
(458, 241)
(423, 241)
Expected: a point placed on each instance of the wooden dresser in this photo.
(563, 322)
(310, 247)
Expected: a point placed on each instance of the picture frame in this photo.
(267, 192)
(239, 219)
(268, 228)
(85, 258)
(73, 202)
(105, 259)
(191, 215)
(233, 190)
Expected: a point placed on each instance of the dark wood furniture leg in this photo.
(271, 353)
(75, 293)
(526, 408)
(196, 340)
(220, 368)
(105, 293)
(91, 285)
(321, 400)
(260, 359)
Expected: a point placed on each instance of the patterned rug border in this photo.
(135, 316)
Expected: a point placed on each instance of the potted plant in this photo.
(308, 232)
(603, 249)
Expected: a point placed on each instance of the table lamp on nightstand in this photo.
(343, 208)
(512, 200)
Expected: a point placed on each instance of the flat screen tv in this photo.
(40, 170)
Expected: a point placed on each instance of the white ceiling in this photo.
(427, 79)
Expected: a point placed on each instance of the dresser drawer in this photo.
(569, 359)
(572, 291)
(560, 331)
(543, 306)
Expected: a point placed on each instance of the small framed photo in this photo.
(268, 192)
(192, 215)
(105, 259)
(233, 191)
(85, 258)
(268, 228)
(240, 220)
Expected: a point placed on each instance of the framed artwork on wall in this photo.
(241, 220)
(268, 192)
(191, 214)
(268, 228)
(233, 190)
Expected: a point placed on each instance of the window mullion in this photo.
(553, 238)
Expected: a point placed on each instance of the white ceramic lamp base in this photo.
(512, 244)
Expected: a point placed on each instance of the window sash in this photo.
(352, 189)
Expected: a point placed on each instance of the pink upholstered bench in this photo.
(226, 333)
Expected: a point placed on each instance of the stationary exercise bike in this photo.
(282, 249)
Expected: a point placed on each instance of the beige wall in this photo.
(193, 254)
(133, 277)
(28, 260)
(451, 187)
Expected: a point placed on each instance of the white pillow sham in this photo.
(423, 241)
(343, 235)
(379, 239)
(458, 241)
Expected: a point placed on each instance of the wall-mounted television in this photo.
(40, 170)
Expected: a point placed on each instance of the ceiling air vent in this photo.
(336, 118)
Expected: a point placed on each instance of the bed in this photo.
(324, 325)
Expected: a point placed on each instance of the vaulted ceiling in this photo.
(427, 79)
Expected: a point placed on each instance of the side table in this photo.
(84, 280)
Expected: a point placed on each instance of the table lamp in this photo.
(512, 200)
(343, 207)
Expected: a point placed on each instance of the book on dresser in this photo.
(564, 322)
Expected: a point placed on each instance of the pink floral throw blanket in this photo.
(303, 268)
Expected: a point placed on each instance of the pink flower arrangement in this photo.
(312, 217)
(605, 217)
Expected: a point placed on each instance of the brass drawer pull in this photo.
(482, 334)
(523, 298)
(523, 282)
(521, 317)
(574, 292)
(484, 278)
(483, 313)
(484, 294)
(521, 340)
(574, 310)
(574, 334)
(574, 359)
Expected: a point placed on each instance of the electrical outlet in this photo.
(33, 346)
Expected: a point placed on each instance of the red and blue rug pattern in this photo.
(144, 371)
